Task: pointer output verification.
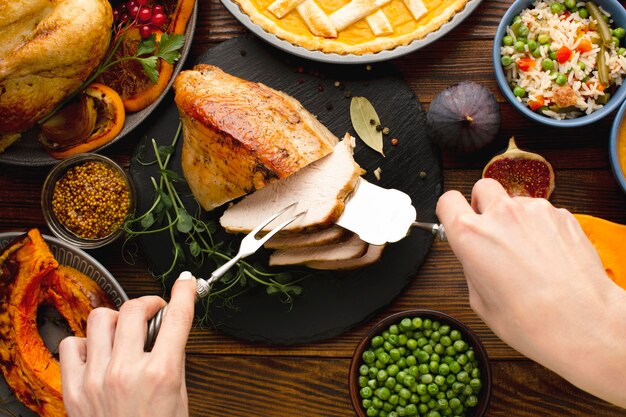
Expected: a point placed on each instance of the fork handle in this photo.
(203, 287)
(435, 228)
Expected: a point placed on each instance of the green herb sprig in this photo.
(192, 240)
(148, 53)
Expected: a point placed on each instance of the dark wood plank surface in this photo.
(226, 376)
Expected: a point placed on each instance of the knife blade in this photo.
(382, 215)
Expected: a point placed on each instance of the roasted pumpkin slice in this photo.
(30, 276)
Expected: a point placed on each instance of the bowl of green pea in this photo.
(420, 363)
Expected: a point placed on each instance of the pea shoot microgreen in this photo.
(193, 242)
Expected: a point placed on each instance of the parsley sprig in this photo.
(148, 53)
(193, 242)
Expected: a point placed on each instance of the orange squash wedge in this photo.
(30, 276)
(184, 8)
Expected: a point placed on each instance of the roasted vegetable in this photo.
(464, 117)
(30, 276)
(609, 239)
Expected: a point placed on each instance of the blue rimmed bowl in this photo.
(618, 14)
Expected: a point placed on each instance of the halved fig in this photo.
(521, 173)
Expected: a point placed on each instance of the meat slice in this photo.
(320, 188)
(353, 248)
(373, 254)
(240, 136)
(333, 234)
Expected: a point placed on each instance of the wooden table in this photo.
(226, 376)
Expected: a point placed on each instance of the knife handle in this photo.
(436, 229)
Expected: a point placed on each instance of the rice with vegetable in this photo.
(563, 59)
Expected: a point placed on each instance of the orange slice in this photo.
(109, 122)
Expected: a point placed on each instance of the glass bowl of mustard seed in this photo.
(86, 199)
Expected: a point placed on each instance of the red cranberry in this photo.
(142, 2)
(124, 17)
(130, 4)
(157, 9)
(144, 15)
(145, 31)
(134, 11)
(116, 14)
(158, 19)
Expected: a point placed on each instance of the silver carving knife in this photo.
(381, 215)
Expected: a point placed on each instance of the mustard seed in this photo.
(91, 200)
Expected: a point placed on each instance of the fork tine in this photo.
(271, 219)
(280, 227)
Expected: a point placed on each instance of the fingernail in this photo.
(185, 275)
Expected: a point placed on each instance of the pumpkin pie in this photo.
(350, 26)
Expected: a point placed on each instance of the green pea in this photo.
(439, 349)
(615, 40)
(392, 414)
(393, 399)
(434, 367)
(518, 92)
(363, 381)
(468, 368)
(552, 55)
(570, 4)
(401, 411)
(382, 375)
(436, 325)
(532, 45)
(435, 336)
(372, 372)
(402, 339)
(384, 393)
(416, 323)
(423, 369)
(411, 410)
(422, 341)
(366, 392)
(369, 357)
(543, 38)
(547, 64)
(619, 33)
(401, 363)
(556, 7)
(450, 349)
(377, 403)
(471, 401)
(428, 349)
(428, 333)
(377, 341)
(394, 355)
(470, 354)
(561, 79)
(433, 413)
(519, 46)
(581, 65)
(426, 379)
(433, 388)
(463, 377)
(462, 359)
(390, 382)
(404, 394)
(393, 340)
(516, 19)
(475, 384)
(536, 53)
(440, 380)
(408, 381)
(523, 31)
(583, 13)
(475, 372)
(386, 334)
(372, 383)
(455, 335)
(421, 389)
(455, 368)
(428, 324)
(386, 408)
(621, 51)
(367, 403)
(372, 412)
(460, 346)
(450, 379)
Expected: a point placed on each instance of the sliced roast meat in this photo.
(350, 249)
(373, 254)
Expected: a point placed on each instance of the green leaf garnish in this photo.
(365, 121)
(149, 66)
(169, 47)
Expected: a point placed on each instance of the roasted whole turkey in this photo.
(47, 49)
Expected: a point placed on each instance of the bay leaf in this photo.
(361, 114)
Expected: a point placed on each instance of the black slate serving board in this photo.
(332, 303)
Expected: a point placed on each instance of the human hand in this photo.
(536, 280)
(108, 374)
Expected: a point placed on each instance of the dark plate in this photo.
(28, 152)
(65, 254)
(331, 304)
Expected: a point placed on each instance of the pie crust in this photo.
(350, 26)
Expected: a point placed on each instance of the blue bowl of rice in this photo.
(545, 60)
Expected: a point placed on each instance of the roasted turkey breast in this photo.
(373, 255)
(350, 249)
(320, 188)
(240, 136)
(333, 234)
(47, 49)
